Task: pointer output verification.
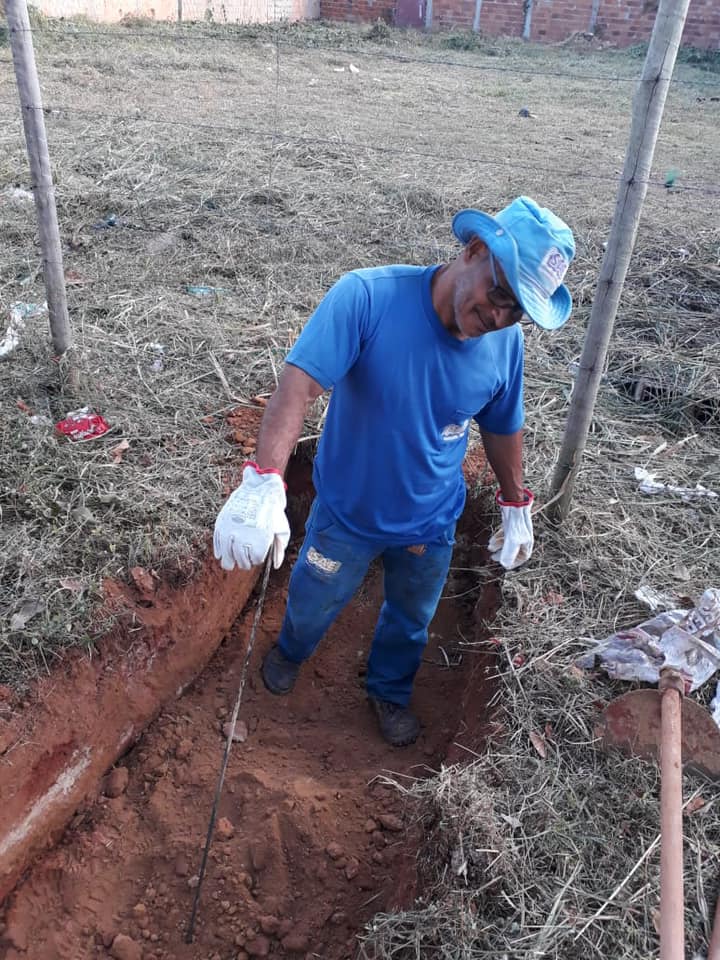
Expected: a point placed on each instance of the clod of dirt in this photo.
(259, 947)
(334, 851)
(295, 943)
(240, 734)
(258, 854)
(286, 927)
(141, 916)
(225, 830)
(116, 782)
(269, 925)
(352, 869)
(143, 579)
(370, 826)
(184, 749)
(125, 948)
(390, 822)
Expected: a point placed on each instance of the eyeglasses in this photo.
(503, 299)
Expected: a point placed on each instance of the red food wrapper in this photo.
(83, 425)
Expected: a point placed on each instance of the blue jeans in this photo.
(329, 569)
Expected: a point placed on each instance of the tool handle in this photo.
(672, 921)
(714, 948)
(190, 932)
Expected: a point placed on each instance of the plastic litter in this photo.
(83, 424)
(107, 223)
(29, 609)
(715, 705)
(18, 195)
(19, 313)
(159, 362)
(40, 420)
(651, 486)
(201, 290)
(688, 640)
(654, 599)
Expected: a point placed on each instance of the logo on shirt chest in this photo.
(454, 431)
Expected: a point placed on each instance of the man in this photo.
(411, 355)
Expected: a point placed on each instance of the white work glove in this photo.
(253, 520)
(513, 545)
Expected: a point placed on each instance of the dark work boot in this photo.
(398, 725)
(279, 674)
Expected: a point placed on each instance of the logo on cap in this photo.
(553, 269)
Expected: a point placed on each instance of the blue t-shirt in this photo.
(389, 462)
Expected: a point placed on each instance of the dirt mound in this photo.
(309, 843)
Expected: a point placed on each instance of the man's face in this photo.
(483, 301)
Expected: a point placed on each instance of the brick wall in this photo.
(358, 10)
(622, 22)
(449, 14)
(557, 19)
(501, 17)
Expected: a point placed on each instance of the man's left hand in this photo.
(513, 545)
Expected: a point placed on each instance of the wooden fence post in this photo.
(648, 106)
(42, 185)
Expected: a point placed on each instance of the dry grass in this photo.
(575, 831)
(573, 870)
(267, 176)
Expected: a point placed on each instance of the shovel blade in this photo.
(632, 724)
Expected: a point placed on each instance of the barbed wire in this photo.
(356, 51)
(54, 112)
(256, 225)
(276, 136)
(199, 100)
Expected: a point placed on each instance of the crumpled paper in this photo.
(687, 640)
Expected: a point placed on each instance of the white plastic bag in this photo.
(688, 640)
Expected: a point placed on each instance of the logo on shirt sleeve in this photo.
(454, 431)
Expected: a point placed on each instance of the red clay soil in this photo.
(62, 735)
(309, 844)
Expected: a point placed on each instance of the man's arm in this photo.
(504, 453)
(284, 417)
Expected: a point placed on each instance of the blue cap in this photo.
(534, 248)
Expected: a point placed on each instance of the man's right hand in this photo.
(253, 520)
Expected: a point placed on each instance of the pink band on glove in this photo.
(263, 470)
(528, 494)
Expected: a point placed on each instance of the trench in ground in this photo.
(309, 859)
